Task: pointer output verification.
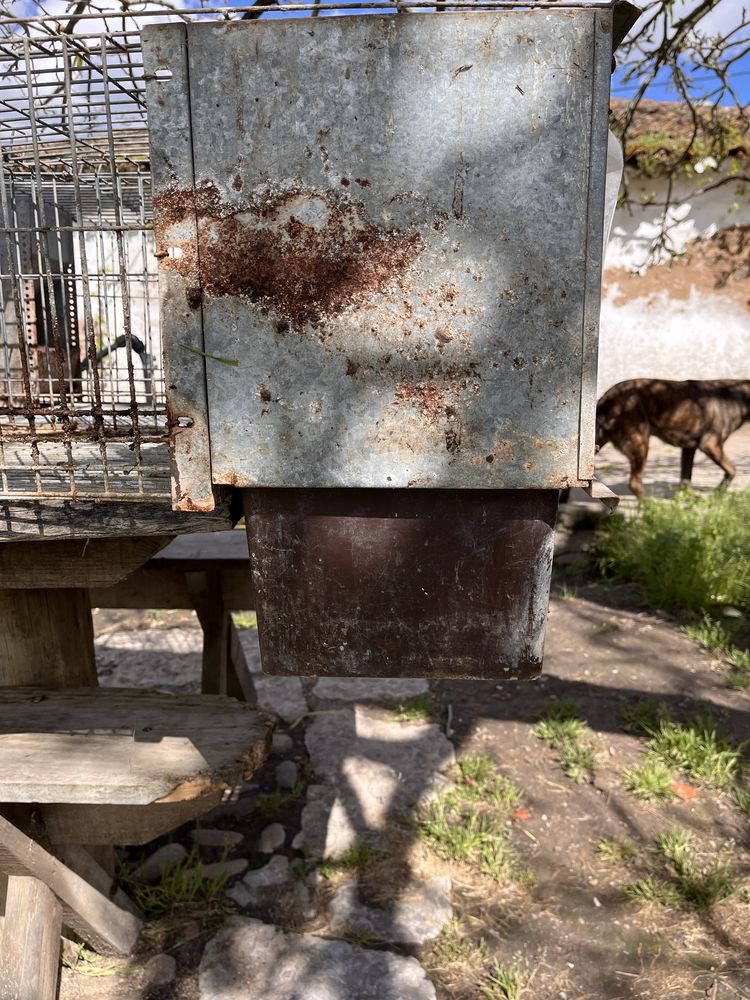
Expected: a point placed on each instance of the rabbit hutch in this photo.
(339, 272)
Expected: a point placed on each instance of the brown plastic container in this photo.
(401, 583)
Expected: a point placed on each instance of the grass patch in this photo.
(561, 727)
(417, 709)
(272, 804)
(606, 628)
(650, 781)
(245, 619)
(649, 890)
(504, 982)
(353, 859)
(698, 749)
(742, 799)
(644, 716)
(469, 823)
(452, 947)
(728, 643)
(690, 554)
(181, 889)
(684, 883)
(614, 851)
(477, 780)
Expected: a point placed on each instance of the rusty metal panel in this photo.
(391, 583)
(399, 241)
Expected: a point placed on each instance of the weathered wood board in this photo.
(124, 747)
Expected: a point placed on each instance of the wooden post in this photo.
(29, 941)
(46, 638)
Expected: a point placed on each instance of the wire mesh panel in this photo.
(82, 409)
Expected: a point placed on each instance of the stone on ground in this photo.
(282, 695)
(248, 958)
(272, 837)
(286, 774)
(163, 857)
(281, 743)
(370, 771)
(276, 890)
(416, 917)
(208, 837)
(229, 868)
(387, 689)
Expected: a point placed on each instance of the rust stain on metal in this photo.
(304, 254)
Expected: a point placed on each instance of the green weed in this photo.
(504, 982)
(562, 728)
(615, 851)
(578, 762)
(245, 619)
(353, 859)
(559, 724)
(698, 749)
(650, 890)
(181, 887)
(417, 709)
(742, 799)
(697, 887)
(650, 781)
(271, 804)
(452, 946)
(477, 780)
(644, 716)
(691, 553)
(606, 628)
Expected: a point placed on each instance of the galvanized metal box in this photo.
(385, 234)
(380, 242)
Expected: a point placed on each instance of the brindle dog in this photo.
(693, 416)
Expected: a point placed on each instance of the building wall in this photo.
(684, 318)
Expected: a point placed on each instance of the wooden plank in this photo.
(83, 863)
(98, 562)
(30, 941)
(160, 585)
(47, 518)
(101, 824)
(120, 746)
(85, 910)
(46, 638)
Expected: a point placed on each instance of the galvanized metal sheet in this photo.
(399, 243)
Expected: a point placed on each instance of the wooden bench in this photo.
(100, 766)
(210, 574)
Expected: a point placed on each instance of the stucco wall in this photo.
(688, 318)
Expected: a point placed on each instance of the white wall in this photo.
(667, 319)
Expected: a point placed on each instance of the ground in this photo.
(539, 899)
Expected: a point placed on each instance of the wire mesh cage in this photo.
(82, 409)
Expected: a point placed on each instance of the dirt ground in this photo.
(570, 927)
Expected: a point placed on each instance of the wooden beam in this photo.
(29, 941)
(48, 518)
(162, 585)
(46, 638)
(102, 924)
(97, 562)
(83, 863)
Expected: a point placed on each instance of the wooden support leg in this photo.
(224, 668)
(29, 941)
(46, 638)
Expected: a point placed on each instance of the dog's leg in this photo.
(635, 449)
(686, 466)
(714, 448)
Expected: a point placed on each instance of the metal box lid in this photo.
(380, 243)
